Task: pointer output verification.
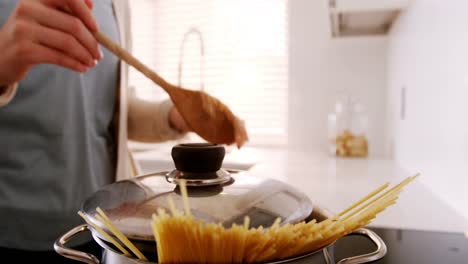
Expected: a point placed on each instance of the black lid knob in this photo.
(198, 157)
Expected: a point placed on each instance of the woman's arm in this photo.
(154, 121)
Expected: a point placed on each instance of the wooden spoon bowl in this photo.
(206, 115)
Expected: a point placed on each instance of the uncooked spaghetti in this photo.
(181, 238)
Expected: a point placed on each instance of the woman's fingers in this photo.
(241, 136)
(62, 42)
(37, 54)
(67, 23)
(78, 8)
(81, 10)
(90, 4)
(240, 133)
(177, 121)
(48, 31)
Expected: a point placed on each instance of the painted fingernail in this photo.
(101, 54)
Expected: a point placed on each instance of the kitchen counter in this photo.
(335, 183)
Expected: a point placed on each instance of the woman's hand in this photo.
(48, 31)
(177, 122)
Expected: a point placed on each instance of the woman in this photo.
(65, 117)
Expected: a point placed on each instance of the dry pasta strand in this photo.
(183, 190)
(108, 223)
(103, 233)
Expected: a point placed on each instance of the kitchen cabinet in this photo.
(363, 17)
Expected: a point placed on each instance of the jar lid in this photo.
(216, 195)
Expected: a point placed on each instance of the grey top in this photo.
(56, 144)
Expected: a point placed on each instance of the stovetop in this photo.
(409, 247)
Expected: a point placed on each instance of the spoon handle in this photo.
(131, 60)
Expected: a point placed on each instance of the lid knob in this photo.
(198, 157)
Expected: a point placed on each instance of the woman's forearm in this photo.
(150, 121)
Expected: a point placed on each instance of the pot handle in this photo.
(60, 248)
(379, 253)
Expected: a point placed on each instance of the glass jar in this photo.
(348, 129)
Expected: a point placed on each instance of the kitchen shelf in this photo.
(350, 18)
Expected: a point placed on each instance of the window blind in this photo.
(235, 50)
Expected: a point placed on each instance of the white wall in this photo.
(428, 54)
(321, 67)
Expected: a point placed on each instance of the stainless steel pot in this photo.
(325, 255)
(216, 195)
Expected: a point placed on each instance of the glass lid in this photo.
(215, 195)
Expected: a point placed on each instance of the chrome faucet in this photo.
(196, 31)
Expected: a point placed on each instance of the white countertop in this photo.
(336, 183)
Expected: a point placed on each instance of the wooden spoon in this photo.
(206, 115)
